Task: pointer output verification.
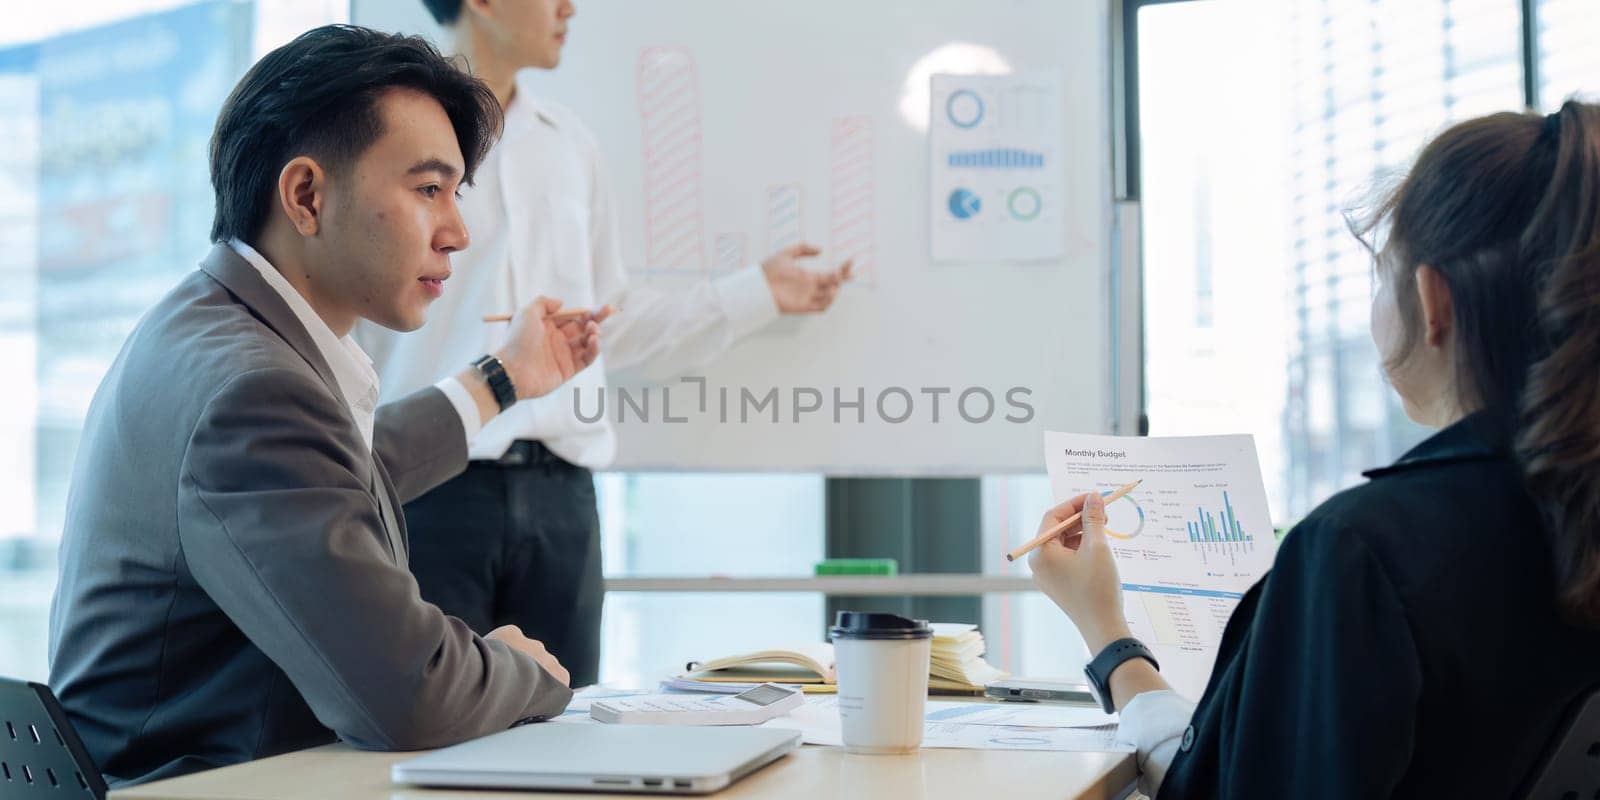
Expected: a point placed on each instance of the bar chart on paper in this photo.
(1185, 540)
(1205, 527)
(1218, 535)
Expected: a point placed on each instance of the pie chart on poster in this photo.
(964, 204)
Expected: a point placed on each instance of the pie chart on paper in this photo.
(964, 204)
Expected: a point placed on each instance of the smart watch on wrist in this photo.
(1100, 668)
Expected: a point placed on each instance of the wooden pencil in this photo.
(1055, 530)
(564, 315)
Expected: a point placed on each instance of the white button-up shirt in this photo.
(1156, 723)
(352, 369)
(542, 222)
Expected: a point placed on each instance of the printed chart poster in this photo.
(1189, 541)
(995, 171)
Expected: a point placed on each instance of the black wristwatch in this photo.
(1099, 670)
(494, 373)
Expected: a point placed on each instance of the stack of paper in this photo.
(957, 660)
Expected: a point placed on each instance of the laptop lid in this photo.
(667, 759)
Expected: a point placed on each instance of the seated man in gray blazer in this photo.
(233, 568)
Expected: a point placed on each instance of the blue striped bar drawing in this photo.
(1204, 528)
(996, 158)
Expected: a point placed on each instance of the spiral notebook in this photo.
(956, 665)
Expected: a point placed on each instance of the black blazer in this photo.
(1406, 643)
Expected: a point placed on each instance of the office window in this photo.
(699, 525)
(1261, 123)
(105, 107)
(1025, 632)
(1569, 59)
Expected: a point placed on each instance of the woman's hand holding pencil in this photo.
(1073, 565)
(1045, 534)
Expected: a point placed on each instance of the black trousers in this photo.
(516, 542)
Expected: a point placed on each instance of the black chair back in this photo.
(40, 755)
(1571, 770)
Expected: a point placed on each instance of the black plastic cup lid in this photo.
(873, 625)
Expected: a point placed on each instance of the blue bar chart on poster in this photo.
(996, 176)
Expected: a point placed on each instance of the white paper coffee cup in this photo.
(881, 662)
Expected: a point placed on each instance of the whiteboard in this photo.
(769, 121)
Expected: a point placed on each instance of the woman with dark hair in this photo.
(1422, 634)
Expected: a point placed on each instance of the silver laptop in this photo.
(663, 759)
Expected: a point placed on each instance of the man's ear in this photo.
(302, 190)
(483, 8)
(1436, 304)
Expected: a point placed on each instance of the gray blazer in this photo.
(233, 580)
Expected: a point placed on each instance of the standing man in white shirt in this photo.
(543, 222)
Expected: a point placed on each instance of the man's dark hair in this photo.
(318, 96)
(444, 12)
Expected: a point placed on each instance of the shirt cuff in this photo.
(746, 299)
(465, 406)
(1154, 723)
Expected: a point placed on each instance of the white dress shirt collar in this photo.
(352, 369)
(525, 107)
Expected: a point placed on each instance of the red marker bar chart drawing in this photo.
(669, 115)
(851, 190)
(785, 216)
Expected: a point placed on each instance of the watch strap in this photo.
(494, 374)
(1102, 665)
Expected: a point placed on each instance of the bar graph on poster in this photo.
(1189, 540)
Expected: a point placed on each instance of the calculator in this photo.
(750, 707)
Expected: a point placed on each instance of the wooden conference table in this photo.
(338, 771)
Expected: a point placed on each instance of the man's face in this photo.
(391, 219)
(532, 30)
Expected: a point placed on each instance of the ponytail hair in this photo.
(1506, 208)
(1559, 440)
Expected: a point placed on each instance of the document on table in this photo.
(1189, 541)
(949, 724)
(578, 709)
(1026, 714)
(818, 723)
